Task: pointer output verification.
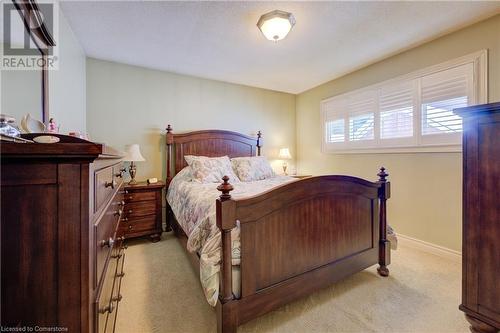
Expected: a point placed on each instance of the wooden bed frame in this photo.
(295, 239)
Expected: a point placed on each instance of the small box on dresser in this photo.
(143, 211)
(481, 217)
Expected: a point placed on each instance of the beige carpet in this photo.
(161, 293)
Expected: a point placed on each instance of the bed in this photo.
(295, 237)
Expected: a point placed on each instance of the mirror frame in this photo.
(43, 41)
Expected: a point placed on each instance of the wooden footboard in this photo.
(298, 238)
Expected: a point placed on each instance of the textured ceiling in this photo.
(220, 40)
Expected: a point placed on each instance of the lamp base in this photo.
(132, 170)
(284, 169)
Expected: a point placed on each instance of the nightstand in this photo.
(142, 212)
(300, 176)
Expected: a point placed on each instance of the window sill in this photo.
(398, 150)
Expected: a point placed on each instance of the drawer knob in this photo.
(110, 184)
(130, 197)
(129, 227)
(108, 308)
(130, 211)
(122, 203)
(125, 219)
(117, 298)
(118, 212)
(120, 173)
(109, 243)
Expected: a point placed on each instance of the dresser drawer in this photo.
(107, 180)
(105, 306)
(138, 209)
(139, 196)
(116, 296)
(104, 187)
(105, 230)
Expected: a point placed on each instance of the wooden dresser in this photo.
(143, 211)
(481, 217)
(62, 264)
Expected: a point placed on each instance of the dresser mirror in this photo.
(24, 88)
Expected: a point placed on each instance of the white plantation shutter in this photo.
(334, 112)
(335, 130)
(441, 93)
(362, 108)
(396, 107)
(412, 111)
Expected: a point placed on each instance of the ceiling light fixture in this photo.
(276, 25)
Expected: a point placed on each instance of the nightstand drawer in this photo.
(134, 196)
(138, 209)
(138, 225)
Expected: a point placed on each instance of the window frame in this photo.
(418, 142)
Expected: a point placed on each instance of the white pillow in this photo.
(252, 168)
(210, 169)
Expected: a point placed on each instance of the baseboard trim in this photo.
(430, 248)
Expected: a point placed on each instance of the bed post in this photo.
(227, 321)
(169, 139)
(385, 245)
(259, 142)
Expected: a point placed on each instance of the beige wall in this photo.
(128, 104)
(426, 187)
(67, 97)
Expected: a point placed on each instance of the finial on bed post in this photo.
(226, 221)
(259, 142)
(382, 175)
(384, 245)
(225, 188)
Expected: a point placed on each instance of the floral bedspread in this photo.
(194, 207)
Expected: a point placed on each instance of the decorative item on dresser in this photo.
(481, 217)
(62, 263)
(143, 211)
(346, 228)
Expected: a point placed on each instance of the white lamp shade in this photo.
(285, 154)
(133, 153)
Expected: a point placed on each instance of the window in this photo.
(413, 112)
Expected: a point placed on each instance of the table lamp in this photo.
(285, 155)
(133, 154)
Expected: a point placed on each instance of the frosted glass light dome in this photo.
(276, 25)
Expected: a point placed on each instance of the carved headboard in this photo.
(211, 143)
